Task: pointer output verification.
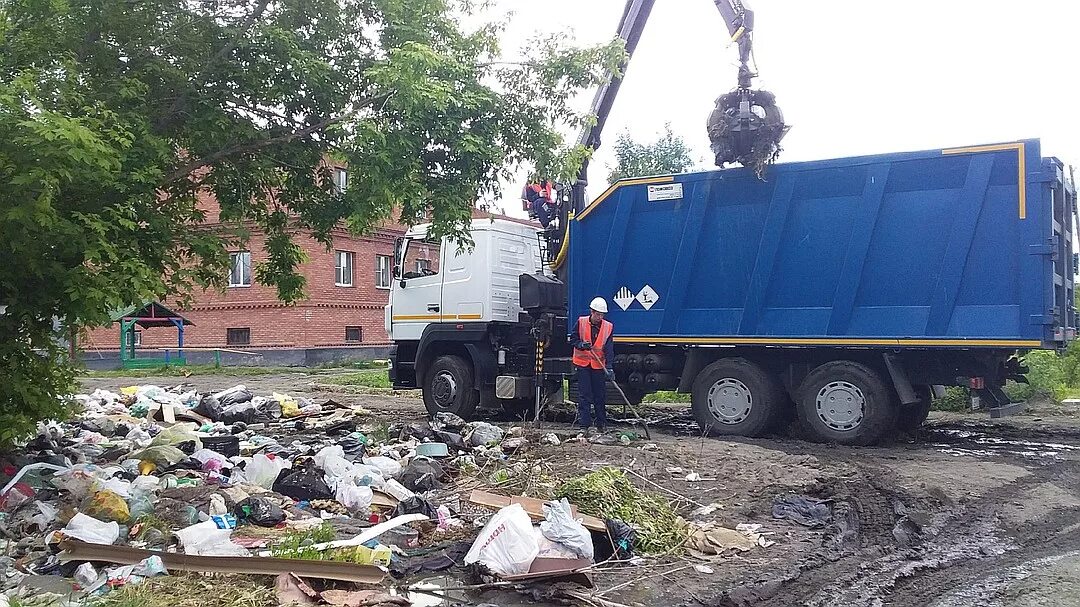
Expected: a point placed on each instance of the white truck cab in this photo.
(454, 314)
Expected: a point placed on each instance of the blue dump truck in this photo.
(843, 291)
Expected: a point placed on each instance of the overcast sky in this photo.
(851, 76)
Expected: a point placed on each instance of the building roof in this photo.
(149, 314)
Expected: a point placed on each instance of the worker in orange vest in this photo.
(539, 196)
(593, 354)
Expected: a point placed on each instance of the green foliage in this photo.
(1050, 375)
(118, 117)
(667, 155)
(667, 396)
(608, 493)
(297, 544)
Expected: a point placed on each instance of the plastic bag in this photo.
(80, 479)
(355, 498)
(177, 434)
(339, 470)
(91, 530)
(206, 539)
(560, 526)
(210, 460)
(290, 409)
(117, 485)
(303, 484)
(240, 412)
(46, 515)
(140, 504)
(209, 407)
(421, 475)
(482, 433)
(386, 466)
(107, 506)
(162, 456)
(139, 438)
(259, 511)
(263, 470)
(233, 396)
(506, 544)
(623, 537)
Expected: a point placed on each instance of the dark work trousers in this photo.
(592, 396)
(543, 213)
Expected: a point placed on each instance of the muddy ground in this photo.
(971, 511)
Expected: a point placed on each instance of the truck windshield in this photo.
(421, 258)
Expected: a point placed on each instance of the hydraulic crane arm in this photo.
(745, 127)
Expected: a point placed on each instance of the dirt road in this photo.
(972, 511)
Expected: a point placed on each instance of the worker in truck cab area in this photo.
(539, 198)
(594, 351)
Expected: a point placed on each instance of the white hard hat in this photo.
(599, 305)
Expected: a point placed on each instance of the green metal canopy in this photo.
(149, 315)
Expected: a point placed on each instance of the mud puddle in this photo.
(978, 442)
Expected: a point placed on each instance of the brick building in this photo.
(342, 316)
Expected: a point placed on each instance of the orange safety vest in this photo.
(544, 189)
(582, 358)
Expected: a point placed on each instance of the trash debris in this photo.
(482, 433)
(710, 539)
(259, 511)
(91, 530)
(704, 569)
(561, 527)
(803, 510)
(506, 545)
(550, 439)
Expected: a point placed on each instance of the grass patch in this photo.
(194, 590)
(195, 370)
(374, 378)
(608, 493)
(666, 396)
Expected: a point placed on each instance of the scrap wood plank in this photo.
(533, 506)
(74, 550)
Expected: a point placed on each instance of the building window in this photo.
(343, 269)
(341, 180)
(238, 337)
(136, 338)
(382, 271)
(355, 334)
(240, 269)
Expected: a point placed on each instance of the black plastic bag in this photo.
(416, 505)
(259, 511)
(242, 412)
(623, 537)
(452, 440)
(235, 397)
(304, 483)
(421, 475)
(209, 407)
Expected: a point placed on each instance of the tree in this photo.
(116, 116)
(667, 155)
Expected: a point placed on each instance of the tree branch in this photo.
(253, 146)
(169, 116)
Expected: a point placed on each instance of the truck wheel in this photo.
(449, 387)
(912, 415)
(848, 403)
(734, 396)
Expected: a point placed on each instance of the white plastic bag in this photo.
(506, 545)
(263, 471)
(205, 539)
(356, 499)
(338, 470)
(561, 527)
(91, 530)
(387, 467)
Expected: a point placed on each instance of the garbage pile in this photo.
(154, 481)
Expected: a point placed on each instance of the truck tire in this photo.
(449, 386)
(734, 396)
(848, 403)
(912, 415)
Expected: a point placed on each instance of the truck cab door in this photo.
(416, 300)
